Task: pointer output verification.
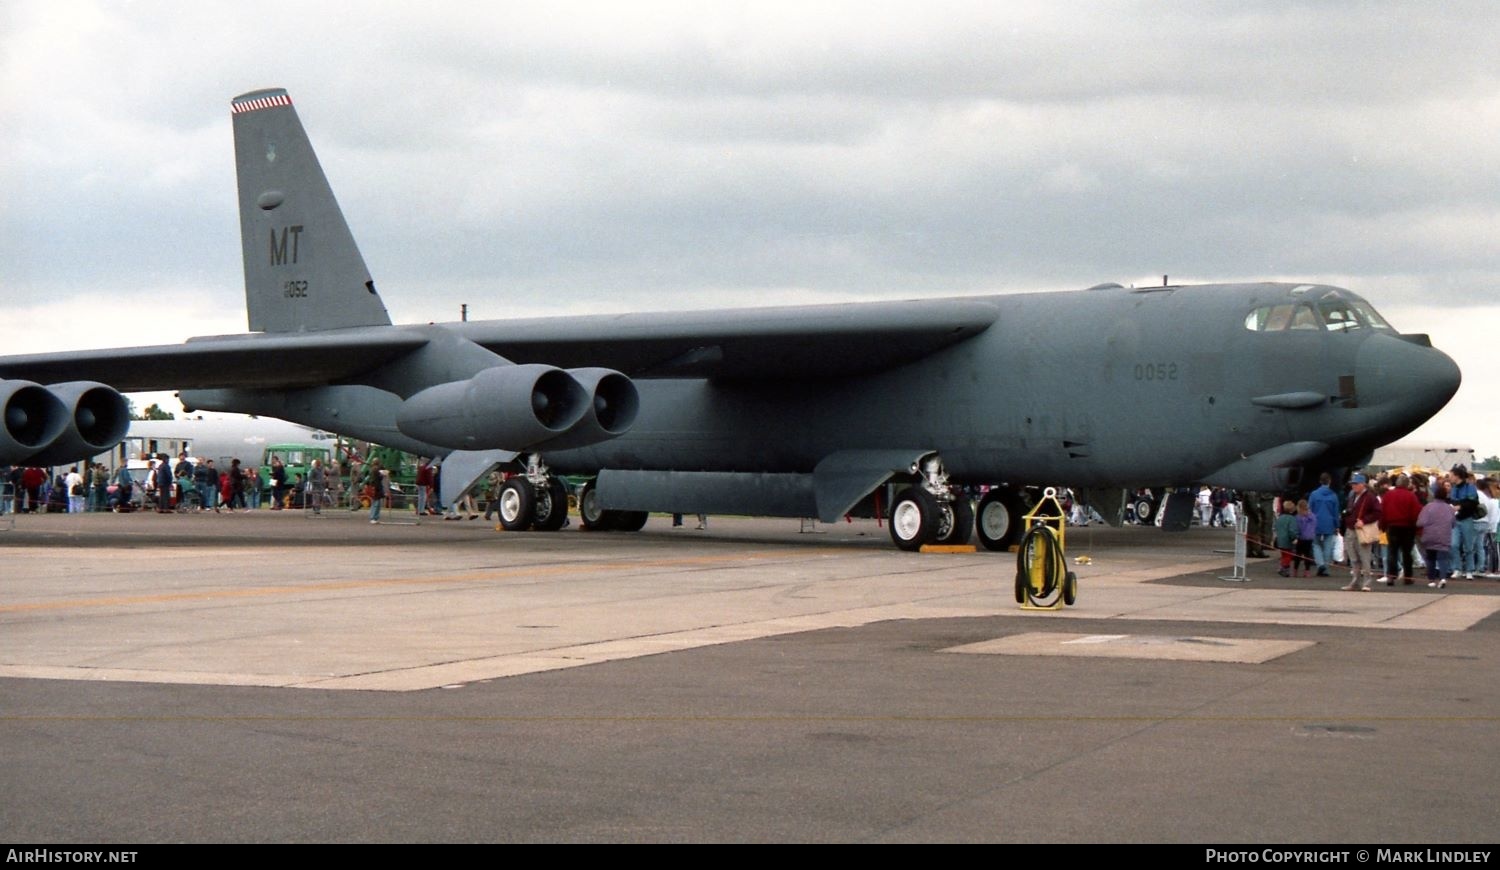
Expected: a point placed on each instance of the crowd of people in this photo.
(1382, 529)
(161, 484)
(1379, 529)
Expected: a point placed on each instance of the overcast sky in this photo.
(534, 158)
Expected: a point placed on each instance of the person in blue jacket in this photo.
(1324, 503)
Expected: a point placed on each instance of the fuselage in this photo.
(1249, 386)
(1106, 387)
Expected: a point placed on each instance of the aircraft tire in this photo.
(627, 521)
(592, 517)
(551, 507)
(1145, 511)
(517, 505)
(961, 522)
(998, 520)
(914, 519)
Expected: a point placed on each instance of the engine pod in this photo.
(613, 405)
(502, 408)
(95, 419)
(31, 418)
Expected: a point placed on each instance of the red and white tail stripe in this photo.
(260, 103)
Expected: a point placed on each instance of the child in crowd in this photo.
(1286, 534)
(1307, 530)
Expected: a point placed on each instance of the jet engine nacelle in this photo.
(31, 418)
(61, 422)
(614, 403)
(501, 408)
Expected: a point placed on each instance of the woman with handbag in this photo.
(1361, 530)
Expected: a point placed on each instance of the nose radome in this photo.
(1408, 379)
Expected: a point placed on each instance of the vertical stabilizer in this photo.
(302, 268)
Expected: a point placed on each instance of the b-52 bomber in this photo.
(791, 411)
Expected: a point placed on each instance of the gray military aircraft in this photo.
(793, 411)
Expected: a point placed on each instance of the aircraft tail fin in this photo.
(303, 270)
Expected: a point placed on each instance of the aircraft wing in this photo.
(761, 343)
(757, 343)
(254, 360)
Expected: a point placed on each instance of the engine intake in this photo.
(501, 408)
(59, 423)
(614, 403)
(97, 419)
(31, 417)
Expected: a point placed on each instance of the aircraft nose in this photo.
(1410, 380)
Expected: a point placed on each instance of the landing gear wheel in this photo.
(627, 521)
(1070, 588)
(998, 520)
(914, 519)
(1145, 511)
(593, 517)
(959, 516)
(551, 507)
(517, 505)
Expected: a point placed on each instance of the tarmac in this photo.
(284, 677)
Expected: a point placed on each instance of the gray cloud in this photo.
(834, 148)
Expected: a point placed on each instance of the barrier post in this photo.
(1241, 533)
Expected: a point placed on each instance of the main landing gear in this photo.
(535, 500)
(538, 501)
(596, 519)
(931, 511)
(998, 520)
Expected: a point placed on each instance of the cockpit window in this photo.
(1338, 315)
(1268, 318)
(1303, 318)
(1277, 318)
(1334, 311)
(1370, 315)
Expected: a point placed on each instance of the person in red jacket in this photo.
(31, 483)
(1398, 516)
(424, 483)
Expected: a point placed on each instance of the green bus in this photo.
(297, 458)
